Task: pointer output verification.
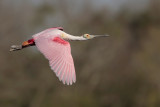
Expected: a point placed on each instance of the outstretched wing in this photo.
(47, 30)
(58, 52)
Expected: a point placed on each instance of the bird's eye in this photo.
(86, 35)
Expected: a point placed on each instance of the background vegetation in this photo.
(120, 71)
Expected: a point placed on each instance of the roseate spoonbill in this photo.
(53, 43)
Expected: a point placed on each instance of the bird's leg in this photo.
(15, 48)
(25, 44)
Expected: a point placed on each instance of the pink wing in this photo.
(58, 52)
(47, 30)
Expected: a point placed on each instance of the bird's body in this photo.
(53, 43)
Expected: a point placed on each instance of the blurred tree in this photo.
(119, 71)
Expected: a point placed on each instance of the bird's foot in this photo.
(15, 48)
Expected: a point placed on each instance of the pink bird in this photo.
(53, 44)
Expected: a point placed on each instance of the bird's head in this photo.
(88, 36)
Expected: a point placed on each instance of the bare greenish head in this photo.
(88, 36)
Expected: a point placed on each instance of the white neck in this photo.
(75, 38)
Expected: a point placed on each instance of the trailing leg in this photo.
(25, 44)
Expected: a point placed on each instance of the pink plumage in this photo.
(58, 52)
(53, 44)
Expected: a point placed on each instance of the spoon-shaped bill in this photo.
(99, 35)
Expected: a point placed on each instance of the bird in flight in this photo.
(53, 44)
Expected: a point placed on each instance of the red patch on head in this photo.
(59, 40)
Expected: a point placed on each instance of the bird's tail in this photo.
(24, 45)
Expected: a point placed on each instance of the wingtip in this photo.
(68, 83)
